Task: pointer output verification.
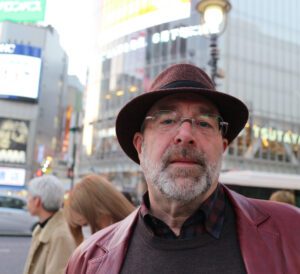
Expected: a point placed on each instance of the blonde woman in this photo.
(94, 201)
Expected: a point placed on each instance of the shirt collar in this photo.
(208, 218)
(43, 224)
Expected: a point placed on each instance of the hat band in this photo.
(184, 84)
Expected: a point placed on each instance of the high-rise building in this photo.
(33, 83)
(259, 63)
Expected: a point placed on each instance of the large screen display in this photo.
(119, 17)
(20, 68)
(12, 176)
(14, 136)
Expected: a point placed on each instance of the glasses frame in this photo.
(223, 126)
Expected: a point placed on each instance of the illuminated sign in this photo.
(272, 134)
(20, 68)
(7, 48)
(12, 176)
(158, 37)
(181, 32)
(119, 18)
(22, 10)
(12, 156)
(13, 140)
(133, 44)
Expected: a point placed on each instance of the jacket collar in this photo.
(46, 232)
(255, 233)
(248, 210)
(243, 208)
(258, 235)
(123, 231)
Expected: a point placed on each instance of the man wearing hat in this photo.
(188, 222)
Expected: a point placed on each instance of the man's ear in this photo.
(137, 142)
(37, 202)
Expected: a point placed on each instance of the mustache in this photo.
(186, 153)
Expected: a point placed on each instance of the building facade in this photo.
(259, 62)
(33, 72)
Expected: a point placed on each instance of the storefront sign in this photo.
(272, 134)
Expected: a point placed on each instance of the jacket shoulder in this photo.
(282, 212)
(111, 235)
(102, 242)
(257, 211)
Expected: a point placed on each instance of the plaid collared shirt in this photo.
(208, 218)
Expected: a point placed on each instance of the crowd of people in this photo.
(93, 202)
(187, 222)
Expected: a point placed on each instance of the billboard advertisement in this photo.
(20, 69)
(12, 176)
(22, 10)
(119, 18)
(13, 140)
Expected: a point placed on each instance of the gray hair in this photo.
(49, 189)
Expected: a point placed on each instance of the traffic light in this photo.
(39, 173)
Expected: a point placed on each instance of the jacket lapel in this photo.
(258, 237)
(115, 248)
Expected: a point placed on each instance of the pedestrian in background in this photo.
(188, 222)
(94, 201)
(283, 196)
(52, 242)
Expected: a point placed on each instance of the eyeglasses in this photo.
(208, 124)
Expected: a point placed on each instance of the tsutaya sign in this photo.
(272, 134)
(22, 10)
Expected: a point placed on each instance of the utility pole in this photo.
(74, 130)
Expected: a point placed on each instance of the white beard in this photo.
(181, 184)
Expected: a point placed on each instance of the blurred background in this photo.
(67, 67)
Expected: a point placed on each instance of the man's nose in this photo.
(185, 133)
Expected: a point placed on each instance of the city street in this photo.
(13, 252)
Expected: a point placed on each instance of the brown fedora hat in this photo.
(178, 78)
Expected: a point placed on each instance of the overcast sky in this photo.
(72, 20)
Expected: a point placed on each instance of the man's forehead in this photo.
(175, 100)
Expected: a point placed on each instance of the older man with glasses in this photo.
(188, 222)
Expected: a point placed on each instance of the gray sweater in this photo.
(148, 254)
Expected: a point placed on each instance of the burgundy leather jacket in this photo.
(268, 232)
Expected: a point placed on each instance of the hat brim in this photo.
(131, 116)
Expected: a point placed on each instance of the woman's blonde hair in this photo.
(284, 196)
(93, 197)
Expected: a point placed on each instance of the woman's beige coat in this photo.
(50, 248)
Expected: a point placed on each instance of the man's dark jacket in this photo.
(268, 233)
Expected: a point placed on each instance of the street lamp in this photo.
(213, 15)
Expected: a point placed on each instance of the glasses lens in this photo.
(207, 123)
(166, 120)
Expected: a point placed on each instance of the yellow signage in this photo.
(272, 134)
(121, 17)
